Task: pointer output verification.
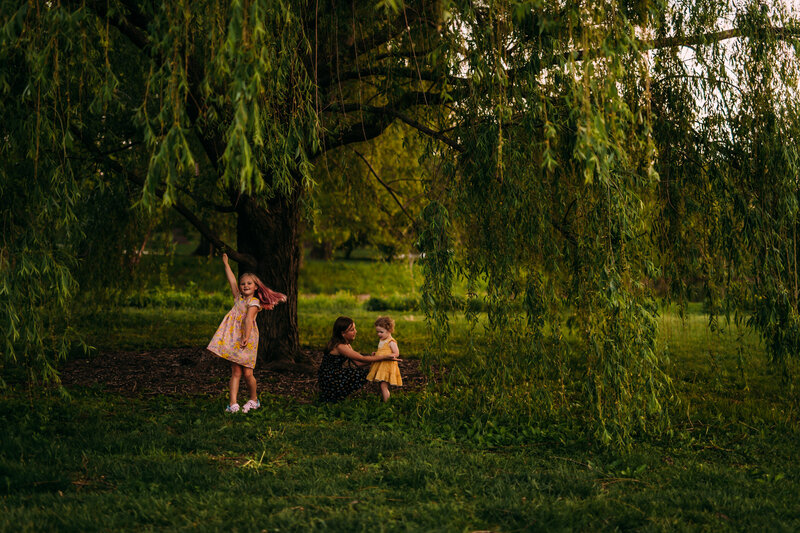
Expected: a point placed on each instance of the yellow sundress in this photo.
(387, 371)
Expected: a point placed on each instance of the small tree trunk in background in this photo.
(349, 245)
(136, 257)
(323, 250)
(205, 248)
(271, 236)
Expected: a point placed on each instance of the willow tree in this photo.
(196, 106)
(604, 147)
(589, 148)
(370, 194)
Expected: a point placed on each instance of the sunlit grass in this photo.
(465, 456)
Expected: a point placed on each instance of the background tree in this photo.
(371, 194)
(602, 151)
(201, 106)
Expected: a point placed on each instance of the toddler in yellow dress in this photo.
(386, 372)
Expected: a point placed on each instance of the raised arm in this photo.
(231, 278)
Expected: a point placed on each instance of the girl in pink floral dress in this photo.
(236, 338)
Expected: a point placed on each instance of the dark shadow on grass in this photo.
(196, 371)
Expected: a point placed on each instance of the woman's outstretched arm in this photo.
(350, 353)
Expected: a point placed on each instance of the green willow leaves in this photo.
(100, 115)
(610, 146)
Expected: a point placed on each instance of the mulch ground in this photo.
(196, 371)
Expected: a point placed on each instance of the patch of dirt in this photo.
(194, 371)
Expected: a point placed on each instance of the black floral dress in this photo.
(337, 380)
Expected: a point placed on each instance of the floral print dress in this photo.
(225, 342)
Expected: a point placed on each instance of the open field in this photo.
(452, 457)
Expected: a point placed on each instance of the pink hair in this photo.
(266, 296)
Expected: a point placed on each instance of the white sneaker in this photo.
(251, 405)
(233, 408)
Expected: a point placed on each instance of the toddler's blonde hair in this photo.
(386, 323)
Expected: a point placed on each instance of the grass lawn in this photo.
(425, 461)
(104, 462)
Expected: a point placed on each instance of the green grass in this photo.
(376, 278)
(316, 277)
(105, 462)
(446, 459)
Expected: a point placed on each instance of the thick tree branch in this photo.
(352, 134)
(406, 100)
(399, 72)
(779, 32)
(714, 37)
(361, 45)
(385, 186)
(104, 160)
(650, 44)
(424, 129)
(360, 132)
(212, 237)
(402, 54)
(207, 204)
(377, 38)
(201, 226)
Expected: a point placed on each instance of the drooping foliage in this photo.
(550, 193)
(591, 151)
(114, 111)
(370, 194)
(608, 147)
(726, 210)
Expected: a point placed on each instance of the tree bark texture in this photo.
(271, 236)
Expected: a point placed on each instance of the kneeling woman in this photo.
(343, 370)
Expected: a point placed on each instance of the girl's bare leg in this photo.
(384, 391)
(251, 383)
(233, 385)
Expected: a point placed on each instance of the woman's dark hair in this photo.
(341, 325)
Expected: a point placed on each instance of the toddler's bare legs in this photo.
(384, 391)
(233, 385)
(251, 383)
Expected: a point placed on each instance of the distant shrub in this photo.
(392, 303)
(173, 299)
(474, 305)
(330, 302)
(410, 303)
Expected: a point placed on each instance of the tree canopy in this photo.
(371, 195)
(589, 150)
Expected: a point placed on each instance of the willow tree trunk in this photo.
(271, 236)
